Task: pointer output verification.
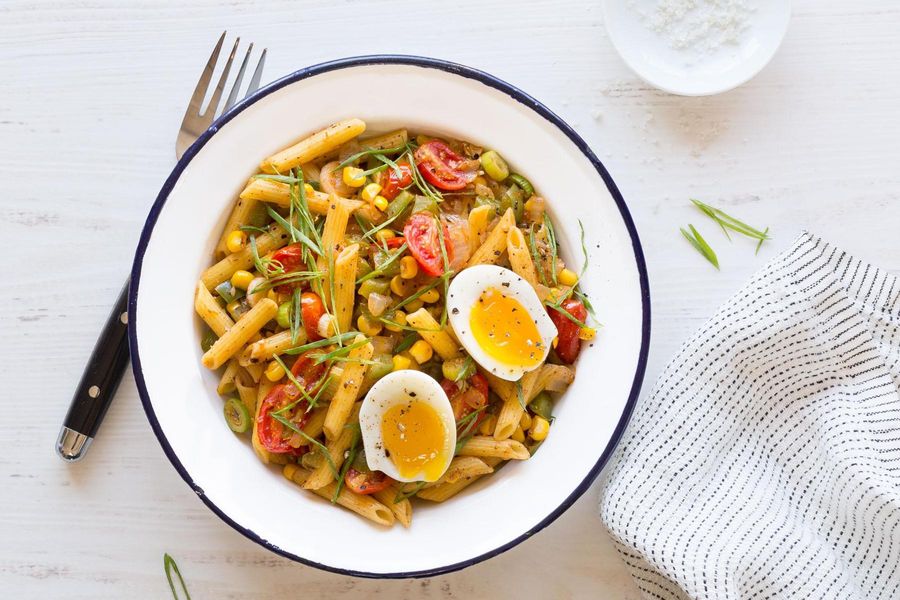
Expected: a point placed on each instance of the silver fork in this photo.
(109, 359)
(195, 122)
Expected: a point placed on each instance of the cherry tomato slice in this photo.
(472, 398)
(311, 309)
(568, 344)
(271, 432)
(444, 168)
(366, 483)
(290, 257)
(309, 374)
(391, 182)
(421, 233)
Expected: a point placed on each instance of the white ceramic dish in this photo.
(706, 68)
(179, 395)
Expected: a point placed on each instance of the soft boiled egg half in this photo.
(500, 321)
(407, 426)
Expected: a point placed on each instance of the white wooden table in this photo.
(92, 94)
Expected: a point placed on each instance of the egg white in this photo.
(465, 290)
(398, 388)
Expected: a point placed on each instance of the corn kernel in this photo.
(308, 190)
(518, 435)
(381, 203)
(409, 267)
(587, 333)
(480, 180)
(398, 317)
(367, 326)
(383, 235)
(555, 341)
(414, 305)
(401, 287)
(421, 351)
(525, 421)
(488, 425)
(274, 372)
(236, 241)
(431, 296)
(401, 362)
(353, 176)
(540, 427)
(241, 279)
(370, 192)
(567, 277)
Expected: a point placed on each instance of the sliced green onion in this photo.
(523, 184)
(236, 415)
(494, 165)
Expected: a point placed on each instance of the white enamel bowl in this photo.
(179, 394)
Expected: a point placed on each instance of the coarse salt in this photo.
(702, 26)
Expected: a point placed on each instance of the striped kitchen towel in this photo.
(766, 461)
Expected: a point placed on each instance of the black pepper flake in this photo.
(505, 284)
(455, 311)
(412, 394)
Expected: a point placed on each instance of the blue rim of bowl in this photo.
(416, 61)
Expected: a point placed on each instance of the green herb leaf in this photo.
(403, 495)
(406, 343)
(423, 289)
(296, 316)
(536, 256)
(351, 455)
(727, 222)
(700, 245)
(335, 339)
(551, 241)
(339, 352)
(558, 308)
(376, 152)
(170, 567)
(392, 257)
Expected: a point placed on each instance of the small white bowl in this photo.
(179, 395)
(709, 66)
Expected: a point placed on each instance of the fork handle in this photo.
(98, 384)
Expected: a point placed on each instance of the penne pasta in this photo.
(255, 371)
(392, 139)
(279, 193)
(555, 378)
(402, 510)
(332, 236)
(264, 349)
(225, 268)
(336, 449)
(314, 425)
(520, 256)
(484, 446)
(494, 246)
(345, 286)
(365, 506)
(210, 311)
(445, 491)
(247, 390)
(462, 467)
(430, 331)
(316, 145)
(226, 381)
(513, 407)
(265, 386)
(234, 339)
(348, 388)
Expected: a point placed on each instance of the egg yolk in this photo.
(414, 439)
(505, 331)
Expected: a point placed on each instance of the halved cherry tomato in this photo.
(395, 242)
(569, 344)
(366, 482)
(311, 309)
(421, 233)
(472, 398)
(309, 374)
(270, 431)
(392, 182)
(444, 168)
(290, 257)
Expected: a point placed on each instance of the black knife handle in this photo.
(98, 384)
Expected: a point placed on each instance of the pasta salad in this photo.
(390, 317)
